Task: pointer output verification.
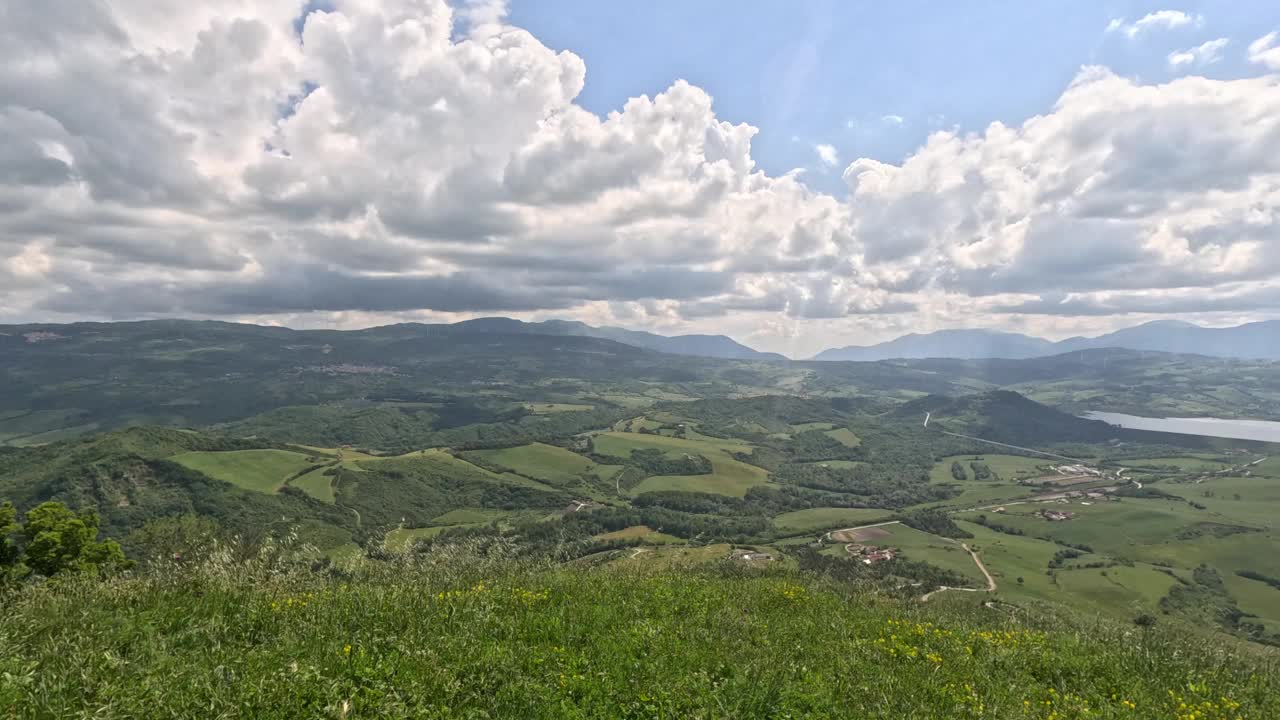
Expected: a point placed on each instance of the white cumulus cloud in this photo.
(402, 159)
(1206, 53)
(827, 154)
(1162, 19)
(1266, 51)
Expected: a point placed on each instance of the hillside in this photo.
(130, 477)
(718, 346)
(945, 344)
(1129, 381)
(685, 479)
(67, 380)
(445, 636)
(1006, 416)
(715, 346)
(394, 387)
(1253, 340)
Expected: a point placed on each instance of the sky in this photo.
(795, 175)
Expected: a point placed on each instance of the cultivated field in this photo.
(548, 463)
(799, 521)
(316, 484)
(729, 476)
(1007, 468)
(844, 436)
(639, 532)
(260, 470)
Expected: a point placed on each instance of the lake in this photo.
(1264, 430)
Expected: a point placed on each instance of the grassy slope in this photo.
(845, 437)
(826, 518)
(548, 463)
(639, 532)
(917, 545)
(316, 484)
(1145, 531)
(260, 470)
(442, 462)
(728, 476)
(637, 640)
(1009, 468)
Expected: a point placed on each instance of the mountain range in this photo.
(718, 346)
(1259, 340)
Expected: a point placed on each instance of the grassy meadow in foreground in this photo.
(439, 637)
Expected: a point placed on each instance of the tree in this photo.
(59, 540)
(9, 569)
(181, 538)
(957, 471)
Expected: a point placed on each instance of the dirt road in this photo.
(991, 582)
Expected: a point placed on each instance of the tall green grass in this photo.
(453, 634)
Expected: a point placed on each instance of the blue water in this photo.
(1264, 430)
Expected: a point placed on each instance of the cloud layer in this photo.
(380, 159)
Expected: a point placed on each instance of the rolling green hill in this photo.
(580, 448)
(462, 637)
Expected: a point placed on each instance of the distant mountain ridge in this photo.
(716, 346)
(1259, 340)
(713, 346)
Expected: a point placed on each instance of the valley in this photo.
(965, 473)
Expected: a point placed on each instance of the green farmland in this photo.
(260, 470)
(548, 463)
(316, 484)
(729, 476)
(808, 520)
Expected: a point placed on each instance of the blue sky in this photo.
(841, 73)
